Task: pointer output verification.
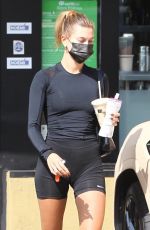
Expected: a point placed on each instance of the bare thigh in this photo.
(52, 212)
(91, 208)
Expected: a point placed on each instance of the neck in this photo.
(70, 65)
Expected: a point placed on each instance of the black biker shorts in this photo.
(84, 163)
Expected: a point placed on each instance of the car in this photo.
(132, 181)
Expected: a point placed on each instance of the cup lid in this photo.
(128, 35)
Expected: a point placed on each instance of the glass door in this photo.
(134, 81)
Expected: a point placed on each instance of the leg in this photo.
(51, 212)
(91, 208)
(51, 197)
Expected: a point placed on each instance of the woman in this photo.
(71, 150)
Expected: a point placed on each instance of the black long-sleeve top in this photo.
(65, 99)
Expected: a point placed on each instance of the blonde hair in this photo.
(66, 20)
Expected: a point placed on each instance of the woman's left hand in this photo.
(115, 118)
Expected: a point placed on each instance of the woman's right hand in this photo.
(57, 166)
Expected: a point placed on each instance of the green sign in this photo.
(50, 10)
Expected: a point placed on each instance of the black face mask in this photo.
(80, 52)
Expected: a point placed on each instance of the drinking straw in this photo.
(99, 89)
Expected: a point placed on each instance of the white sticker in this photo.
(19, 27)
(18, 47)
(19, 63)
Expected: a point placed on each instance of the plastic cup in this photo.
(126, 62)
(107, 128)
(100, 108)
(126, 44)
(104, 108)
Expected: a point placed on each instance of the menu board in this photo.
(50, 10)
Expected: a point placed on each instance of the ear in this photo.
(64, 40)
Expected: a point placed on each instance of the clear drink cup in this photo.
(104, 108)
(107, 128)
(126, 44)
(100, 108)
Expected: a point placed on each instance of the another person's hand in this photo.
(115, 118)
(57, 166)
